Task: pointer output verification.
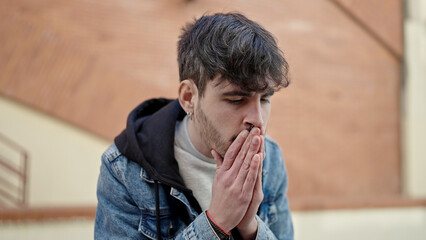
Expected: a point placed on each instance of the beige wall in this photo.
(64, 161)
(377, 224)
(414, 117)
(81, 229)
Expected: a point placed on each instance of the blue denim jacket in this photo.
(126, 203)
(139, 176)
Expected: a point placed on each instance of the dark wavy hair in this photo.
(231, 45)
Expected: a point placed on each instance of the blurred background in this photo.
(352, 124)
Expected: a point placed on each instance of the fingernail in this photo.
(255, 130)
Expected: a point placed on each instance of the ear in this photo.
(188, 95)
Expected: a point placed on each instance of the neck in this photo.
(196, 139)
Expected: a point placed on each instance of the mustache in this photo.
(236, 135)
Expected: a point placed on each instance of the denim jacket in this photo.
(129, 196)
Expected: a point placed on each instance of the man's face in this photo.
(225, 110)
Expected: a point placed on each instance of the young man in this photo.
(201, 166)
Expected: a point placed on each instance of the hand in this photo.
(235, 180)
(248, 225)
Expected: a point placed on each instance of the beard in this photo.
(210, 134)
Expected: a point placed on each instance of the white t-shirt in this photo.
(196, 169)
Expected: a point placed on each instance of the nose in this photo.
(254, 118)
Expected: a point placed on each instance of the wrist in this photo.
(249, 231)
(218, 226)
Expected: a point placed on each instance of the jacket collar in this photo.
(149, 141)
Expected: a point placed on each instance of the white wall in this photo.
(414, 115)
(375, 224)
(80, 229)
(64, 160)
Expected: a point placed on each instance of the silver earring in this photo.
(190, 115)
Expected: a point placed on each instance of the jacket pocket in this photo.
(170, 225)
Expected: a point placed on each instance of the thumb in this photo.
(218, 158)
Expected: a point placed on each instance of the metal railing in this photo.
(13, 174)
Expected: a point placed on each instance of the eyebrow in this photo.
(268, 93)
(237, 93)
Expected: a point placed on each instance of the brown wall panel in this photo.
(90, 63)
(382, 17)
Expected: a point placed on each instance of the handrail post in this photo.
(21, 171)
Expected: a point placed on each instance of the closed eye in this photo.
(265, 100)
(235, 101)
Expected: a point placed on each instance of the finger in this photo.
(257, 197)
(254, 148)
(234, 149)
(258, 186)
(262, 148)
(244, 150)
(218, 158)
(245, 166)
(252, 176)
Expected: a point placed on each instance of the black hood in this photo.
(149, 140)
